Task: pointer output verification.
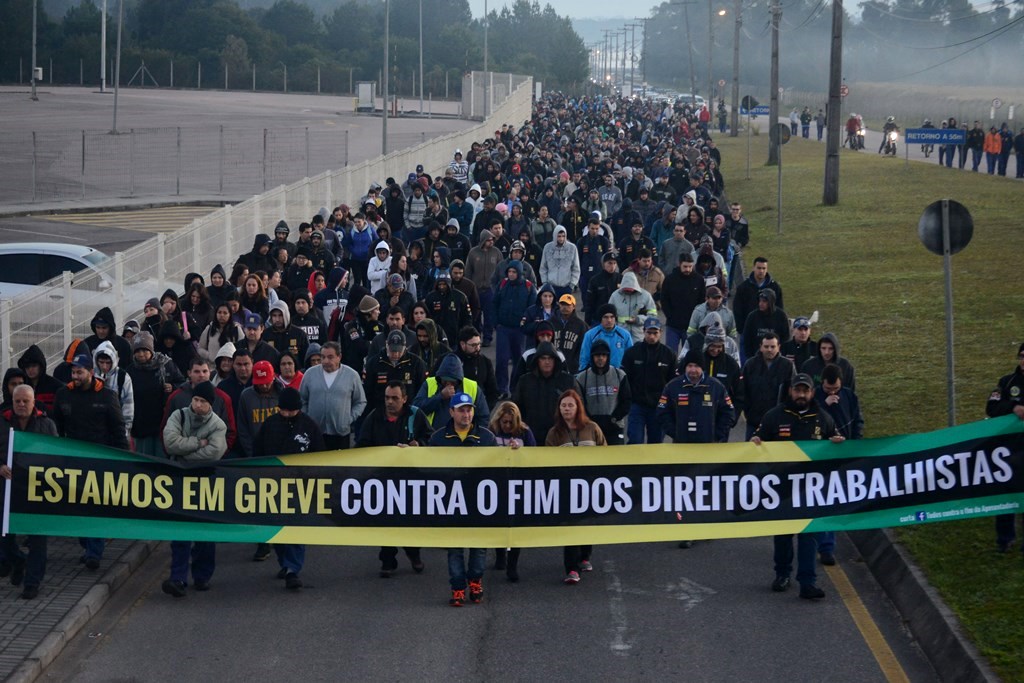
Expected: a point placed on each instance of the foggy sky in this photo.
(577, 9)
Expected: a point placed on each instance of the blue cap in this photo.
(652, 323)
(801, 322)
(462, 399)
(82, 360)
(253, 321)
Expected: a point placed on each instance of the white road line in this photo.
(620, 644)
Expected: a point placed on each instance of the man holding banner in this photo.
(1007, 398)
(461, 432)
(797, 419)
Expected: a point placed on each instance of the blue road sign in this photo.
(935, 136)
(760, 110)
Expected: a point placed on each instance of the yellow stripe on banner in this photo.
(530, 537)
(551, 456)
(887, 662)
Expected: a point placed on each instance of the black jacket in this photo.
(599, 291)
(762, 386)
(785, 423)
(745, 299)
(410, 370)
(377, 430)
(280, 435)
(537, 396)
(649, 368)
(1007, 395)
(680, 294)
(480, 369)
(148, 389)
(92, 414)
(46, 386)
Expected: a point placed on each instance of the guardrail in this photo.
(60, 310)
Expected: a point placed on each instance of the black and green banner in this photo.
(494, 497)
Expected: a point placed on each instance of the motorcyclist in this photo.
(890, 126)
(852, 126)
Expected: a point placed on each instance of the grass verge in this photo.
(861, 265)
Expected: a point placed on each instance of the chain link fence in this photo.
(60, 310)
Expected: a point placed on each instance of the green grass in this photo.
(861, 265)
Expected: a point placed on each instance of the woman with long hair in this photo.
(573, 428)
(288, 372)
(239, 272)
(197, 309)
(510, 430)
(221, 330)
(254, 297)
(400, 265)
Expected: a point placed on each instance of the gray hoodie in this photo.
(632, 303)
(560, 265)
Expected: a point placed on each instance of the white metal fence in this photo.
(60, 310)
(482, 89)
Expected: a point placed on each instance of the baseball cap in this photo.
(419, 168)
(595, 216)
(567, 299)
(262, 372)
(803, 379)
(253, 321)
(801, 322)
(518, 245)
(396, 340)
(652, 323)
(461, 399)
(715, 293)
(396, 281)
(82, 360)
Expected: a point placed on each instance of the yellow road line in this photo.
(887, 662)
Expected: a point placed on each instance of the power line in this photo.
(992, 37)
(1004, 27)
(969, 14)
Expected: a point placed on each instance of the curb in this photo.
(113, 204)
(79, 615)
(933, 624)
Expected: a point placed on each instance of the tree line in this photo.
(288, 40)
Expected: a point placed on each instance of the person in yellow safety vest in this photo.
(435, 394)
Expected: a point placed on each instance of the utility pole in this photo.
(421, 56)
(384, 81)
(103, 49)
(711, 51)
(835, 82)
(643, 55)
(35, 4)
(734, 118)
(689, 50)
(117, 61)
(632, 57)
(486, 93)
(604, 59)
(773, 111)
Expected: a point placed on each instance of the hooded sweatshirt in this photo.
(333, 297)
(513, 297)
(46, 386)
(537, 395)
(560, 264)
(121, 345)
(760, 322)
(117, 380)
(289, 338)
(816, 364)
(605, 391)
(745, 299)
(632, 305)
(377, 270)
(219, 295)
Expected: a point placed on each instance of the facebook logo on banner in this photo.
(921, 516)
(936, 136)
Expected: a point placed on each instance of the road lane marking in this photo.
(617, 606)
(887, 662)
(45, 234)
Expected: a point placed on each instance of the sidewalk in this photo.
(33, 632)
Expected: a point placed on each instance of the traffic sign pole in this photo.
(947, 262)
(748, 144)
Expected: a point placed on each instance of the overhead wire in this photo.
(995, 34)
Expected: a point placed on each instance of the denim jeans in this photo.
(35, 563)
(93, 548)
(827, 542)
(458, 573)
(290, 556)
(486, 323)
(975, 159)
(510, 348)
(641, 419)
(806, 547)
(203, 557)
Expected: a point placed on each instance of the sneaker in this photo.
(201, 586)
(92, 563)
(417, 565)
(173, 588)
(828, 559)
(780, 584)
(571, 578)
(18, 572)
(292, 581)
(811, 592)
(262, 552)
(282, 573)
(685, 545)
(585, 566)
(30, 593)
(384, 573)
(458, 598)
(476, 591)
(512, 574)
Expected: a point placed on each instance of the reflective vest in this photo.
(468, 386)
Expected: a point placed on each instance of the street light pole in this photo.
(734, 119)
(384, 79)
(117, 60)
(35, 4)
(103, 49)
(711, 51)
(421, 56)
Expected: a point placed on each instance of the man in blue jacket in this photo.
(617, 337)
(511, 299)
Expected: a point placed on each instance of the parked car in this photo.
(24, 265)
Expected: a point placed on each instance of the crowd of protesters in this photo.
(593, 247)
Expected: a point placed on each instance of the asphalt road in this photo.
(647, 612)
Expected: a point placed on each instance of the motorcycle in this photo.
(860, 137)
(891, 138)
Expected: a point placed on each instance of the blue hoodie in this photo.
(513, 297)
(536, 313)
(360, 244)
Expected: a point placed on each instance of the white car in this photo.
(687, 98)
(24, 265)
